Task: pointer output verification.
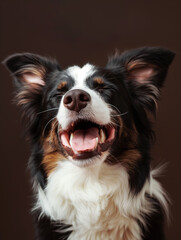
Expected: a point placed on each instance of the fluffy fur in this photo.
(91, 135)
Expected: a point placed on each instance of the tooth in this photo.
(71, 138)
(102, 136)
(97, 140)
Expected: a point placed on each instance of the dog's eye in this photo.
(101, 88)
(57, 95)
(60, 92)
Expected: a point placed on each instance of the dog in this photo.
(91, 133)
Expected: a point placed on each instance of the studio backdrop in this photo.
(76, 32)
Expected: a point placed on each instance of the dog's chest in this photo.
(95, 204)
(103, 220)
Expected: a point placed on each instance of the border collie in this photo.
(90, 133)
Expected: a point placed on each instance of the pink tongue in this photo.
(85, 139)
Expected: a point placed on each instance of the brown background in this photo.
(76, 32)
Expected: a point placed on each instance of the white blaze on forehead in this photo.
(80, 75)
(96, 110)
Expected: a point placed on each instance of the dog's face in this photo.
(89, 115)
(89, 119)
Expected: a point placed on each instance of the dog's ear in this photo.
(144, 70)
(30, 70)
(30, 73)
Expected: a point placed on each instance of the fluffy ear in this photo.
(30, 73)
(30, 69)
(145, 70)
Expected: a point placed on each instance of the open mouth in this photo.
(84, 139)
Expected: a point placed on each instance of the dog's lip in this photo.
(101, 142)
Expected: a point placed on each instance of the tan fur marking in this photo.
(50, 143)
(51, 150)
(62, 85)
(99, 80)
(129, 158)
(50, 161)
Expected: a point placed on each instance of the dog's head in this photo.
(89, 114)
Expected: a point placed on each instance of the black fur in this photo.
(155, 222)
(49, 230)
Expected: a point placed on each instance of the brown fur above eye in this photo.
(62, 85)
(98, 80)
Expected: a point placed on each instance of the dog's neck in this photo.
(96, 201)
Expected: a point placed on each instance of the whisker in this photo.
(59, 127)
(114, 107)
(112, 124)
(117, 115)
(55, 124)
(121, 114)
(51, 109)
(47, 124)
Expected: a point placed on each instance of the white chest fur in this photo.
(96, 201)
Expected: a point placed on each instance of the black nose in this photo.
(76, 99)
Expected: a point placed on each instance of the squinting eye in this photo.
(57, 96)
(59, 93)
(62, 91)
(102, 89)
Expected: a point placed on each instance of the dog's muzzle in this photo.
(83, 138)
